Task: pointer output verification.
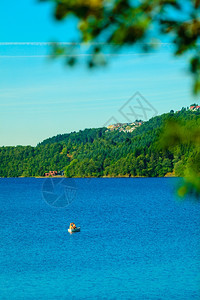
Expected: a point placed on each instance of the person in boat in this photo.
(72, 226)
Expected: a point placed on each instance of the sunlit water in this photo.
(137, 241)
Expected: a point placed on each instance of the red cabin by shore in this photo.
(51, 173)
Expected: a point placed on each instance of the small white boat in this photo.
(77, 229)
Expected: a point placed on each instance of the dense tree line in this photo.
(99, 152)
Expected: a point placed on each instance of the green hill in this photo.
(100, 152)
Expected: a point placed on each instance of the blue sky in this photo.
(40, 98)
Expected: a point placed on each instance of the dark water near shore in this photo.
(136, 241)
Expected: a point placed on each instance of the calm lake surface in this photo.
(137, 241)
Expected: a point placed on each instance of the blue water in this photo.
(137, 241)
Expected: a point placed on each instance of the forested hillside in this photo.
(98, 152)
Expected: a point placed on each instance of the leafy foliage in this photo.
(112, 25)
(177, 135)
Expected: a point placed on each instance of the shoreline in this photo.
(91, 177)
